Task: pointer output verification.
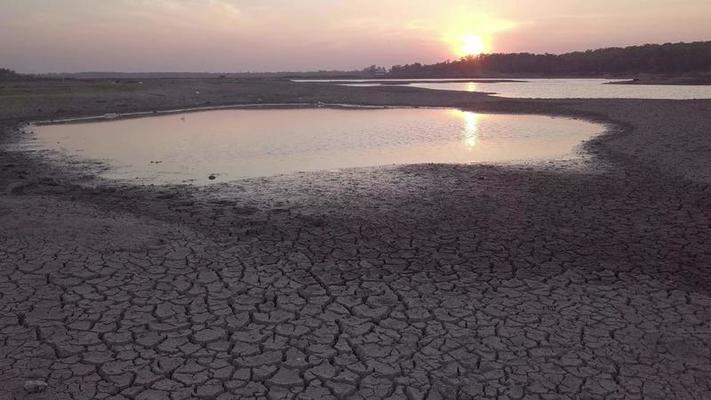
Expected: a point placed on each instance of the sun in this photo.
(472, 45)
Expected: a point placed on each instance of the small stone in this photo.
(35, 386)
(212, 177)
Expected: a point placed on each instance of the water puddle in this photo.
(223, 145)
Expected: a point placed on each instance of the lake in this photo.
(246, 143)
(555, 88)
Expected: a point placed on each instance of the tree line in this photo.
(669, 58)
(8, 74)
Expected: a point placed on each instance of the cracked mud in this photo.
(408, 282)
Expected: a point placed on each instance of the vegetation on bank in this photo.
(9, 75)
(669, 58)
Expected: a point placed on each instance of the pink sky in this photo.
(271, 35)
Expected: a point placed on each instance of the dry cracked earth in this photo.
(466, 282)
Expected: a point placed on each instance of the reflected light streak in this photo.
(470, 127)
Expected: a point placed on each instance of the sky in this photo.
(39, 36)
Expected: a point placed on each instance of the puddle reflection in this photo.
(233, 144)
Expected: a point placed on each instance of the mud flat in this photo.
(701, 79)
(423, 281)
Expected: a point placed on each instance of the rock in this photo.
(212, 177)
(35, 386)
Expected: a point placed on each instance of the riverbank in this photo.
(457, 281)
(700, 79)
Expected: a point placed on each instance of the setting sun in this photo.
(472, 45)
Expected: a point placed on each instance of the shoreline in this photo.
(588, 158)
(682, 81)
(401, 81)
(142, 114)
(449, 280)
(580, 157)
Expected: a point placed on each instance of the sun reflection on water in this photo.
(471, 87)
(470, 127)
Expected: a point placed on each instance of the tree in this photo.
(8, 74)
(375, 70)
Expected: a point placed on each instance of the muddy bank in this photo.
(423, 281)
(667, 80)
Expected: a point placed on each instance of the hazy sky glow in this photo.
(271, 35)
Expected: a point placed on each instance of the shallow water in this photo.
(398, 80)
(564, 89)
(576, 88)
(234, 144)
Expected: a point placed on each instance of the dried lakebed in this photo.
(224, 145)
(428, 281)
